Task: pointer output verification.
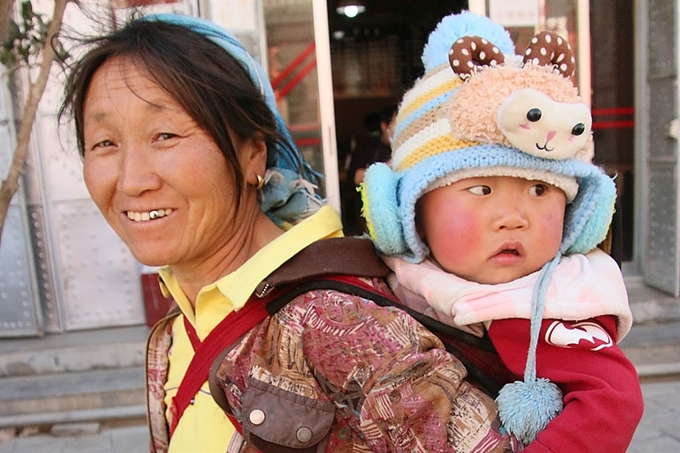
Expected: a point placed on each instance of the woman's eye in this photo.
(165, 136)
(480, 190)
(537, 190)
(103, 144)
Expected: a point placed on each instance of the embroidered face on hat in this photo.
(481, 110)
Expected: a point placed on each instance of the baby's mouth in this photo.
(144, 216)
(510, 248)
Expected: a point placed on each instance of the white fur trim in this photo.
(567, 184)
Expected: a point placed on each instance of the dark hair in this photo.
(387, 113)
(211, 86)
(372, 122)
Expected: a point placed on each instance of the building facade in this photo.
(62, 268)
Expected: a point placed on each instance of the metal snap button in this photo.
(304, 435)
(256, 417)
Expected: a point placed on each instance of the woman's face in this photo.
(160, 181)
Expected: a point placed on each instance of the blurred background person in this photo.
(375, 148)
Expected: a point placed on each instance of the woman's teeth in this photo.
(148, 215)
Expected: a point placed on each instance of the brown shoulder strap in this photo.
(334, 256)
(304, 272)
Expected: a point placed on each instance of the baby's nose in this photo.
(510, 217)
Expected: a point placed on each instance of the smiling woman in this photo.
(189, 161)
(144, 153)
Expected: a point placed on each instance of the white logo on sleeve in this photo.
(582, 335)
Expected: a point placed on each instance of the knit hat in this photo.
(481, 110)
(288, 195)
(478, 111)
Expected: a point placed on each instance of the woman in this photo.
(190, 163)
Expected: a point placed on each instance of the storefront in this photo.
(63, 269)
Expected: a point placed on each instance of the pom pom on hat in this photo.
(453, 27)
(525, 408)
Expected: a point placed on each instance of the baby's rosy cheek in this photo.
(463, 233)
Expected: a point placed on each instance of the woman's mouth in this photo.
(144, 216)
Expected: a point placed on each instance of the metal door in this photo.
(661, 262)
(19, 314)
(61, 267)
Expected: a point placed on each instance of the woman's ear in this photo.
(254, 155)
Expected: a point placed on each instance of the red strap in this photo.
(235, 423)
(356, 281)
(230, 329)
(191, 333)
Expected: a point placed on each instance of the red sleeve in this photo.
(602, 396)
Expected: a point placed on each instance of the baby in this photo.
(491, 215)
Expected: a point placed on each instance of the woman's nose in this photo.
(137, 173)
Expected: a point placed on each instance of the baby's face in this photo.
(492, 229)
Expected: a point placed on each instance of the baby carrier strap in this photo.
(330, 264)
(357, 257)
(298, 275)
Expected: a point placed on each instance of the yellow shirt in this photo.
(204, 428)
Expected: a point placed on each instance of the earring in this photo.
(260, 182)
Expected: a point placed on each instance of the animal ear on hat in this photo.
(381, 210)
(470, 52)
(547, 48)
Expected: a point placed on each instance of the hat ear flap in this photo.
(381, 209)
(589, 216)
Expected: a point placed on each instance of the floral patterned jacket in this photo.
(334, 372)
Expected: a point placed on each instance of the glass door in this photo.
(299, 67)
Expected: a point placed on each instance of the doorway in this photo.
(375, 58)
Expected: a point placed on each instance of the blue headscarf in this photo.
(288, 195)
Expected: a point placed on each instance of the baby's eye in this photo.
(538, 189)
(480, 190)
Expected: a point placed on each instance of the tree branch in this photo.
(11, 183)
(5, 14)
